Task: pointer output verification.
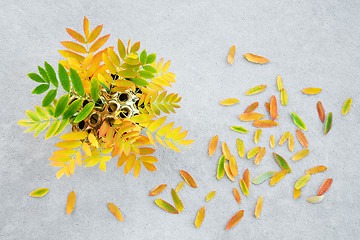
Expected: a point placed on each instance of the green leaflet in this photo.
(151, 58)
(328, 123)
(40, 89)
(140, 82)
(94, 91)
(281, 161)
(221, 169)
(346, 107)
(128, 73)
(143, 56)
(302, 181)
(84, 112)
(49, 97)
(298, 122)
(35, 77)
(239, 129)
(166, 206)
(263, 177)
(61, 105)
(51, 74)
(43, 74)
(76, 82)
(72, 108)
(64, 78)
(149, 69)
(146, 74)
(178, 204)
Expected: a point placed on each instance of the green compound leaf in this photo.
(143, 56)
(64, 78)
(35, 77)
(72, 108)
(84, 112)
(94, 91)
(151, 58)
(49, 97)
(51, 74)
(298, 122)
(140, 82)
(61, 105)
(76, 82)
(221, 169)
(43, 74)
(40, 89)
(282, 163)
(239, 129)
(328, 123)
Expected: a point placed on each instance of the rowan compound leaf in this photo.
(258, 207)
(213, 145)
(237, 196)
(235, 219)
(315, 199)
(321, 111)
(302, 181)
(240, 147)
(311, 91)
(255, 58)
(115, 211)
(49, 97)
(346, 107)
(316, 169)
(302, 139)
(328, 123)
(298, 122)
(256, 89)
(239, 129)
(39, 192)
(231, 55)
(220, 170)
(263, 177)
(200, 217)
(325, 186)
(178, 204)
(188, 178)
(70, 204)
(158, 190)
(300, 155)
(61, 105)
(265, 123)
(281, 162)
(166, 206)
(278, 176)
(229, 101)
(76, 82)
(84, 112)
(210, 196)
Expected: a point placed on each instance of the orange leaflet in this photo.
(297, 193)
(231, 55)
(265, 123)
(252, 116)
(213, 144)
(237, 196)
(255, 58)
(302, 139)
(321, 111)
(325, 186)
(157, 190)
(235, 219)
(316, 169)
(115, 211)
(225, 150)
(251, 107)
(246, 178)
(70, 204)
(273, 108)
(188, 178)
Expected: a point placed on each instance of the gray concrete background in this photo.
(309, 43)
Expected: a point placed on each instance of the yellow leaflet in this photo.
(253, 152)
(70, 204)
(200, 217)
(229, 101)
(74, 136)
(210, 195)
(258, 207)
(257, 135)
(303, 153)
(231, 55)
(272, 141)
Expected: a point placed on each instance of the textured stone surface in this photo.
(309, 44)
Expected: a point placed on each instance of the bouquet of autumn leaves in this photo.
(112, 98)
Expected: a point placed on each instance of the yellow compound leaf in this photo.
(284, 137)
(279, 83)
(257, 135)
(158, 190)
(237, 196)
(200, 217)
(297, 193)
(291, 143)
(231, 55)
(249, 117)
(179, 186)
(278, 176)
(166, 206)
(74, 136)
(300, 155)
(316, 169)
(225, 150)
(235, 219)
(259, 205)
(255, 90)
(39, 192)
(188, 178)
(229, 101)
(240, 147)
(68, 144)
(265, 123)
(302, 181)
(272, 141)
(70, 204)
(253, 152)
(260, 156)
(233, 166)
(228, 172)
(255, 58)
(346, 107)
(213, 145)
(115, 211)
(210, 195)
(178, 204)
(311, 91)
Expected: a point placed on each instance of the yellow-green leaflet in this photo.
(346, 107)
(302, 181)
(257, 135)
(315, 199)
(298, 122)
(328, 123)
(263, 177)
(240, 147)
(221, 169)
(253, 152)
(178, 204)
(284, 137)
(39, 192)
(281, 161)
(283, 97)
(210, 195)
(257, 89)
(243, 187)
(300, 155)
(239, 129)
